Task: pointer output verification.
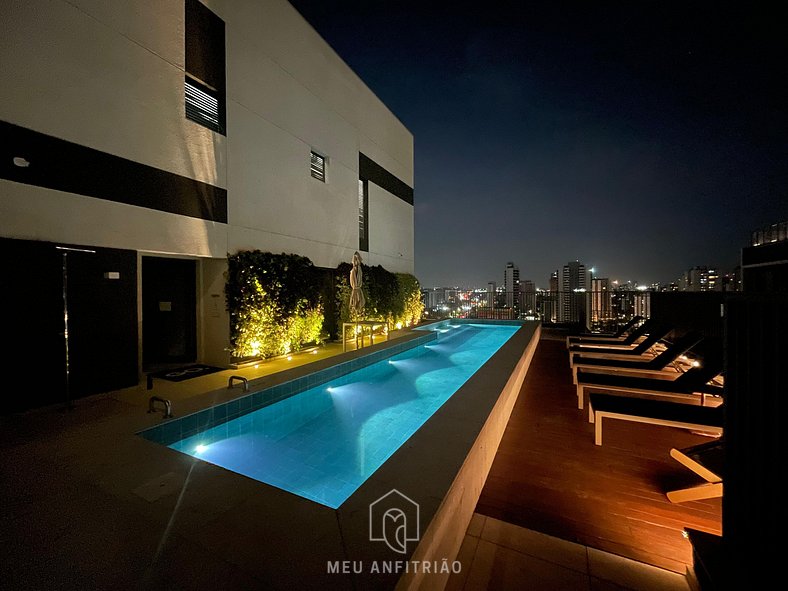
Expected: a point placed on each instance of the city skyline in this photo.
(640, 138)
(542, 284)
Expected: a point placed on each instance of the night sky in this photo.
(641, 139)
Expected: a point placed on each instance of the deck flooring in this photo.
(550, 477)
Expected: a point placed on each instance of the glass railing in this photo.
(602, 311)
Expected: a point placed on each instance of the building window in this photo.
(318, 166)
(202, 106)
(363, 215)
(204, 86)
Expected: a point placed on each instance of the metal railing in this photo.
(167, 406)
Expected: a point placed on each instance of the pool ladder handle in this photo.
(241, 379)
(167, 406)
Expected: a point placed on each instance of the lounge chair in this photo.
(706, 460)
(620, 334)
(620, 363)
(693, 381)
(655, 412)
(656, 332)
(630, 338)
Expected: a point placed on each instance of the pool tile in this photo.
(298, 423)
(233, 409)
(219, 413)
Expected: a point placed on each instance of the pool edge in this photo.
(285, 384)
(446, 531)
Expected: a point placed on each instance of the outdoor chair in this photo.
(691, 383)
(631, 337)
(620, 334)
(708, 419)
(621, 364)
(657, 332)
(706, 460)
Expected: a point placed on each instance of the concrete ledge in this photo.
(442, 467)
(446, 531)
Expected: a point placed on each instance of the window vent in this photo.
(202, 106)
(318, 167)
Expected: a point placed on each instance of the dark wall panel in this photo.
(205, 44)
(72, 168)
(32, 325)
(765, 278)
(372, 171)
(698, 311)
(756, 391)
(765, 253)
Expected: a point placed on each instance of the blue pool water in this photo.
(323, 443)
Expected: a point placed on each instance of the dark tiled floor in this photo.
(549, 476)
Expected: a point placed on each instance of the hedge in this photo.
(277, 302)
(274, 303)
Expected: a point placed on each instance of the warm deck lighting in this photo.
(289, 357)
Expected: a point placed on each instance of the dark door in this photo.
(169, 311)
(102, 317)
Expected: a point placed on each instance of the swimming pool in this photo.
(325, 442)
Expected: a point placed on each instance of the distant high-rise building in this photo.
(527, 297)
(436, 297)
(732, 281)
(491, 294)
(575, 282)
(554, 281)
(601, 300)
(511, 281)
(702, 279)
(642, 303)
(550, 299)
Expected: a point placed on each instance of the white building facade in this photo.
(184, 131)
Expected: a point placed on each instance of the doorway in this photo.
(169, 312)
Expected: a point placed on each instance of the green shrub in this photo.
(274, 303)
(410, 295)
(393, 297)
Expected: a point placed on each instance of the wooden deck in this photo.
(549, 476)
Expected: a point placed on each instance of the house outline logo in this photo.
(394, 519)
